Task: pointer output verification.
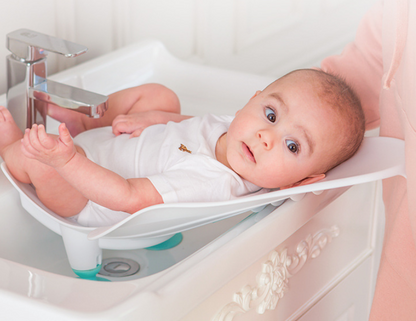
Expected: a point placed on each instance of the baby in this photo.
(290, 134)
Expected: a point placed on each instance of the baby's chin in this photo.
(269, 185)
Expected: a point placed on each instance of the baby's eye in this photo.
(270, 114)
(293, 146)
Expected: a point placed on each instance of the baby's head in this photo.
(295, 130)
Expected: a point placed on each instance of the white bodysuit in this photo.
(178, 158)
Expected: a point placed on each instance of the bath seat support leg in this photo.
(84, 255)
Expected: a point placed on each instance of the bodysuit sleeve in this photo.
(361, 64)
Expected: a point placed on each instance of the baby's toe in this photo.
(5, 114)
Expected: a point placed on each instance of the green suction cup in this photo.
(89, 274)
(168, 244)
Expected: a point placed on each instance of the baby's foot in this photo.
(9, 132)
(73, 120)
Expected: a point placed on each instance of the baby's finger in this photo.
(119, 118)
(46, 141)
(27, 145)
(27, 138)
(64, 134)
(116, 130)
(120, 128)
(137, 133)
(34, 138)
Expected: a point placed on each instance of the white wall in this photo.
(261, 36)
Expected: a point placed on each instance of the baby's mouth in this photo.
(248, 153)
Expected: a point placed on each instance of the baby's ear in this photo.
(257, 92)
(308, 180)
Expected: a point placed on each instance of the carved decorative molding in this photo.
(272, 281)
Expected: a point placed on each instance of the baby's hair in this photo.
(336, 93)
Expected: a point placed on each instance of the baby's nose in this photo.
(265, 139)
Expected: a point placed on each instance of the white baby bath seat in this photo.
(377, 158)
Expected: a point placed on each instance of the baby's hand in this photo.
(52, 150)
(133, 124)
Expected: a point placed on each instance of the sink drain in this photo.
(119, 267)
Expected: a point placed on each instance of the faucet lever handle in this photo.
(31, 45)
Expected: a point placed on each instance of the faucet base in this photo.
(22, 75)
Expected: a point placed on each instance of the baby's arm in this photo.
(134, 124)
(96, 183)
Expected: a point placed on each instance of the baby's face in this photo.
(283, 135)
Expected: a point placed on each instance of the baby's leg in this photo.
(51, 188)
(128, 101)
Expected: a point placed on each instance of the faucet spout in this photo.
(29, 91)
(86, 102)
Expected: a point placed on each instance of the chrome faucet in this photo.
(29, 91)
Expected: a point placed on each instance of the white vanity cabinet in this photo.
(324, 270)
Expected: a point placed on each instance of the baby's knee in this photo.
(166, 97)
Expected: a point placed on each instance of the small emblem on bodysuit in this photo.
(184, 149)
